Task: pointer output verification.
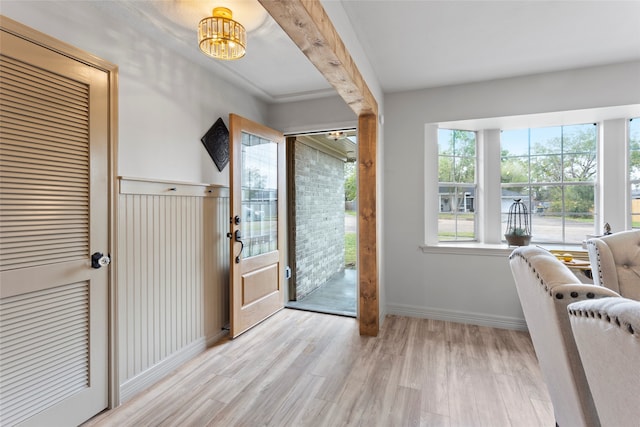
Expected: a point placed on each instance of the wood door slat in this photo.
(15, 117)
(55, 114)
(58, 142)
(40, 84)
(17, 174)
(20, 148)
(62, 374)
(75, 111)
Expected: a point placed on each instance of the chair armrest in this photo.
(623, 312)
(572, 292)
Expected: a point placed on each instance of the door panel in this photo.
(259, 283)
(53, 216)
(257, 202)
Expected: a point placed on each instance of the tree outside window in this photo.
(350, 182)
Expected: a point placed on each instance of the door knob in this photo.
(99, 260)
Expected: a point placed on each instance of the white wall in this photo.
(166, 103)
(595, 87)
(328, 113)
(462, 286)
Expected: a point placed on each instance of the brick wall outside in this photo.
(319, 183)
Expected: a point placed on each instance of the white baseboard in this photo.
(480, 319)
(211, 340)
(160, 370)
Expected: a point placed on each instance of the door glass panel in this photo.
(259, 195)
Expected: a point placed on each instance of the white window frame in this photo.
(474, 184)
(562, 184)
(612, 205)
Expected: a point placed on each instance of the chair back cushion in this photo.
(615, 261)
(607, 334)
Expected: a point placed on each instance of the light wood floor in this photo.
(309, 369)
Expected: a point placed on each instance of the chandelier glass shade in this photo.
(221, 37)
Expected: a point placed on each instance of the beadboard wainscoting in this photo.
(172, 277)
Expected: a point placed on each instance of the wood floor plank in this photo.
(520, 409)
(300, 397)
(435, 378)
(394, 335)
(407, 401)
(339, 361)
(490, 409)
(309, 369)
(197, 411)
(544, 412)
(416, 356)
(380, 390)
(312, 413)
(351, 404)
(276, 394)
(428, 419)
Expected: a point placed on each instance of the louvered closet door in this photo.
(53, 216)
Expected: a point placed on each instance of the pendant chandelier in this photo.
(221, 37)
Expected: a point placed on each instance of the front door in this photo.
(54, 204)
(257, 222)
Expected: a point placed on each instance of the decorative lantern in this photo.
(518, 232)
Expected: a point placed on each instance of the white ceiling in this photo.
(273, 68)
(410, 44)
(420, 44)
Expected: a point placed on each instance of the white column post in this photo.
(430, 184)
(612, 193)
(489, 190)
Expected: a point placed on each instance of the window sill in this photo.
(487, 249)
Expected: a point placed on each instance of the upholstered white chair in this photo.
(545, 287)
(607, 334)
(615, 262)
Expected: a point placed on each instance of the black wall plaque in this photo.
(216, 141)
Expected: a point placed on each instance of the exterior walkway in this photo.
(336, 296)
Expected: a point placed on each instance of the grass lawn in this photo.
(350, 250)
(445, 235)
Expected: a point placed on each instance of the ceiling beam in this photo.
(308, 25)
